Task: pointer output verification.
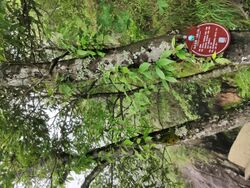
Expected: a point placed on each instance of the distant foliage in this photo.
(38, 30)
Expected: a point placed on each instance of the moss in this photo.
(185, 106)
(190, 101)
(211, 87)
(166, 111)
(242, 80)
(182, 155)
(200, 96)
(170, 138)
(186, 69)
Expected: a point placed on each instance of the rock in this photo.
(247, 171)
(240, 151)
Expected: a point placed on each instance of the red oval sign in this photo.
(205, 39)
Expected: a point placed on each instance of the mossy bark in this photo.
(25, 75)
(187, 101)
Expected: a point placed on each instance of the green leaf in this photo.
(171, 177)
(171, 68)
(125, 70)
(101, 54)
(83, 53)
(171, 79)
(124, 151)
(173, 43)
(160, 73)
(2, 58)
(166, 53)
(206, 66)
(146, 147)
(165, 85)
(148, 75)
(69, 179)
(179, 47)
(164, 62)
(214, 55)
(133, 76)
(138, 141)
(222, 61)
(181, 54)
(144, 67)
(123, 80)
(127, 142)
(147, 138)
(50, 91)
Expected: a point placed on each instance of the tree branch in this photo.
(55, 61)
(95, 172)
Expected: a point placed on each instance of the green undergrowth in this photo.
(242, 80)
(224, 12)
(88, 27)
(112, 23)
(143, 19)
(246, 5)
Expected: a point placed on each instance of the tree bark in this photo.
(188, 132)
(93, 174)
(26, 75)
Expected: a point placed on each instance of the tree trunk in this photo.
(26, 75)
(188, 132)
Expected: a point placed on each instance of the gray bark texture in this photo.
(189, 132)
(219, 172)
(27, 75)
